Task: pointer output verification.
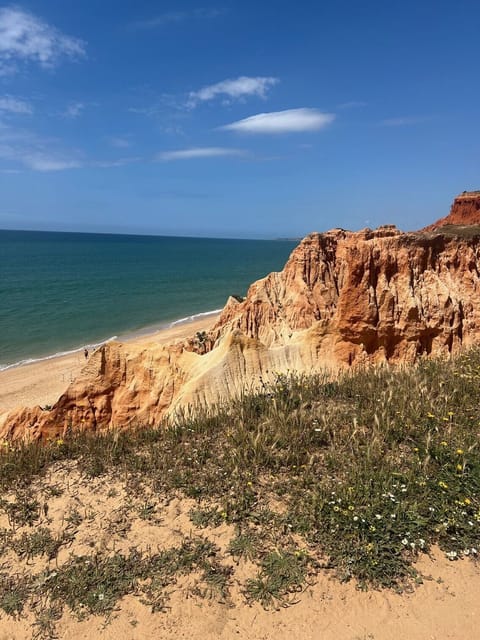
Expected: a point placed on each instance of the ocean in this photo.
(60, 292)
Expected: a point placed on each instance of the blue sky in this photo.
(236, 119)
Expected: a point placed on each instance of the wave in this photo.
(196, 316)
(59, 354)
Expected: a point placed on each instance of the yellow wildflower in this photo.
(443, 485)
(467, 501)
(460, 452)
(59, 442)
(443, 443)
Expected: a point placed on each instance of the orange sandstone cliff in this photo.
(465, 210)
(342, 299)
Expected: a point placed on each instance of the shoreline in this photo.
(128, 336)
(42, 381)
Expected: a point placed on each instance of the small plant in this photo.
(14, 592)
(24, 511)
(203, 518)
(40, 542)
(282, 573)
(245, 545)
(147, 511)
(93, 584)
(74, 518)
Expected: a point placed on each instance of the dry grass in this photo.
(358, 476)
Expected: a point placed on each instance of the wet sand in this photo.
(42, 382)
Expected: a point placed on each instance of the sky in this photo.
(236, 118)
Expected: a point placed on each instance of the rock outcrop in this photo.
(465, 210)
(341, 300)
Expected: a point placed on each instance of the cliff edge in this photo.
(343, 299)
(465, 210)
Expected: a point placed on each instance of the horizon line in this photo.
(156, 235)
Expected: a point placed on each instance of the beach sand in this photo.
(43, 382)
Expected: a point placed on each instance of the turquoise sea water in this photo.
(60, 291)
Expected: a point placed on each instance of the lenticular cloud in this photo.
(289, 121)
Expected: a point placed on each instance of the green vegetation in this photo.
(357, 476)
(459, 230)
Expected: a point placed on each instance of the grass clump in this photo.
(14, 593)
(38, 543)
(207, 517)
(246, 545)
(93, 584)
(282, 573)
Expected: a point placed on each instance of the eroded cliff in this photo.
(465, 210)
(342, 299)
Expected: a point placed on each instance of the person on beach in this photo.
(85, 352)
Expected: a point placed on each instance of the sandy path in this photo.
(43, 382)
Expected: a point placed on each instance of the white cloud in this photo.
(39, 161)
(25, 37)
(289, 121)
(14, 105)
(199, 152)
(233, 89)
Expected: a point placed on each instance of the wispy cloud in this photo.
(163, 105)
(35, 152)
(119, 162)
(120, 142)
(289, 121)
(233, 89)
(25, 37)
(47, 162)
(401, 122)
(175, 17)
(199, 152)
(74, 110)
(353, 104)
(15, 105)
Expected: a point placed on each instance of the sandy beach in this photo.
(41, 383)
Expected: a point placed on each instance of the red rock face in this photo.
(465, 210)
(376, 295)
(342, 299)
